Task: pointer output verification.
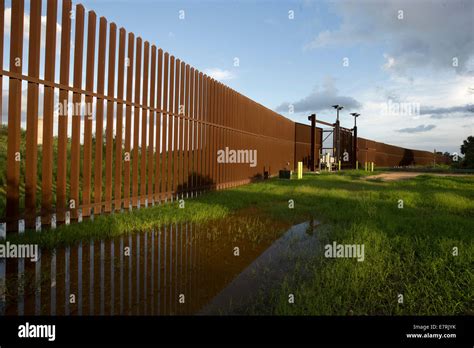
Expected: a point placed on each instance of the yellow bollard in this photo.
(339, 165)
(365, 163)
(300, 170)
(357, 165)
(372, 167)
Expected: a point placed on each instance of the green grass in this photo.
(407, 251)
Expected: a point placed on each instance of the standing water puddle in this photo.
(268, 270)
(177, 269)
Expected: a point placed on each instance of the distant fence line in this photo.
(383, 155)
(155, 139)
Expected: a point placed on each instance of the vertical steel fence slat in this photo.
(202, 132)
(183, 128)
(159, 123)
(197, 116)
(200, 129)
(208, 105)
(210, 130)
(109, 140)
(99, 126)
(200, 140)
(14, 114)
(187, 127)
(119, 128)
(31, 155)
(76, 116)
(217, 133)
(164, 137)
(192, 134)
(47, 161)
(225, 141)
(63, 115)
(234, 133)
(151, 126)
(222, 117)
(215, 110)
(235, 121)
(176, 124)
(144, 112)
(206, 135)
(220, 101)
(87, 167)
(169, 188)
(136, 124)
(128, 121)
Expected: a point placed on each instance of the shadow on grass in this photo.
(335, 200)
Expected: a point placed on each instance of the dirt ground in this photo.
(393, 176)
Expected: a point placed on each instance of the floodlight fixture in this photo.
(355, 115)
(338, 108)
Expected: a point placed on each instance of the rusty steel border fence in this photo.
(385, 155)
(157, 126)
(154, 135)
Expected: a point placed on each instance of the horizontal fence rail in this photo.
(113, 122)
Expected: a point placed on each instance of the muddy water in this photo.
(281, 259)
(175, 270)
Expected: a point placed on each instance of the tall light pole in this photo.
(354, 143)
(338, 132)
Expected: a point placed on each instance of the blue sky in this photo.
(269, 46)
(365, 55)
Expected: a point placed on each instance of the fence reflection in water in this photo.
(175, 269)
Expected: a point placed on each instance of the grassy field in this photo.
(408, 251)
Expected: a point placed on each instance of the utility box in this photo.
(284, 174)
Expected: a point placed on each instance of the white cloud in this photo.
(390, 62)
(220, 74)
(430, 34)
(445, 101)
